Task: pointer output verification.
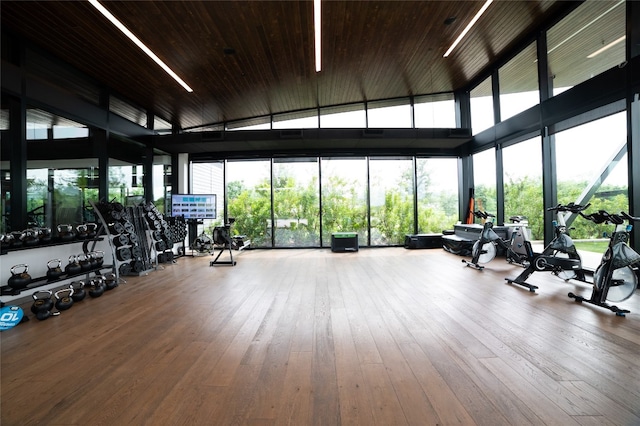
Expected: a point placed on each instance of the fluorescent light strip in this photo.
(317, 22)
(138, 43)
(608, 46)
(466, 30)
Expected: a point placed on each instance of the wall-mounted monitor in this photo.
(194, 206)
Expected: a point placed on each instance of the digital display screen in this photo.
(194, 206)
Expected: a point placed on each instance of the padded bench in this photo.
(464, 236)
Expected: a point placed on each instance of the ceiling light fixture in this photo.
(317, 33)
(138, 43)
(608, 46)
(466, 30)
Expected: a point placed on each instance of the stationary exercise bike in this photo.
(560, 256)
(616, 278)
(485, 248)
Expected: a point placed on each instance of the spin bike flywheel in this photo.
(560, 263)
(488, 252)
(624, 283)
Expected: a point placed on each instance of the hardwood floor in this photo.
(379, 337)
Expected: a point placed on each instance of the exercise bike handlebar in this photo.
(571, 207)
(482, 215)
(602, 216)
(629, 218)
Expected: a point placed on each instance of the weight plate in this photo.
(133, 238)
(123, 254)
(128, 227)
(136, 252)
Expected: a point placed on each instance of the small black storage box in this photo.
(423, 241)
(344, 241)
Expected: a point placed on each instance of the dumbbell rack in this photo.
(127, 238)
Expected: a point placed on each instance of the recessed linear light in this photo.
(608, 46)
(138, 43)
(317, 23)
(468, 27)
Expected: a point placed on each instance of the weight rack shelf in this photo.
(42, 281)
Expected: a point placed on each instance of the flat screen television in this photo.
(194, 206)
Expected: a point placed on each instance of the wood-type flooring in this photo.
(383, 336)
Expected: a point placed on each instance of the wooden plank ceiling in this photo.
(371, 50)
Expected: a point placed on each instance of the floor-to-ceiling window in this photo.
(437, 189)
(391, 181)
(591, 162)
(522, 169)
(61, 195)
(344, 197)
(126, 182)
(248, 193)
(296, 202)
(208, 179)
(484, 178)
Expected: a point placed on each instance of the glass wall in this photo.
(391, 183)
(61, 195)
(394, 113)
(208, 178)
(522, 168)
(482, 107)
(437, 186)
(126, 183)
(45, 125)
(296, 202)
(343, 117)
(484, 178)
(519, 83)
(590, 171)
(587, 42)
(296, 120)
(311, 198)
(435, 111)
(344, 198)
(248, 192)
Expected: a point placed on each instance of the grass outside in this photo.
(596, 246)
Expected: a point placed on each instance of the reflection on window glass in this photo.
(61, 196)
(44, 125)
(484, 177)
(249, 200)
(590, 171)
(208, 178)
(126, 183)
(522, 165)
(296, 202)
(437, 111)
(587, 42)
(481, 107)
(437, 183)
(344, 198)
(162, 187)
(396, 116)
(343, 117)
(519, 83)
(5, 200)
(391, 200)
